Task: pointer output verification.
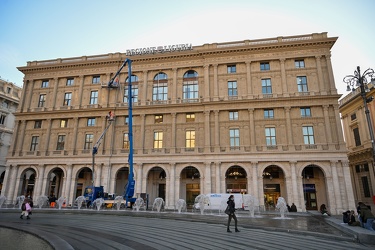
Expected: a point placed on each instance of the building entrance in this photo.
(192, 191)
(310, 196)
(271, 194)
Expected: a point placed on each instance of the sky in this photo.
(45, 29)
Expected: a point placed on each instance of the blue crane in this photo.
(129, 188)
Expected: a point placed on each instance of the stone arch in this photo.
(236, 179)
(190, 186)
(274, 185)
(54, 181)
(83, 177)
(28, 177)
(313, 176)
(156, 182)
(121, 179)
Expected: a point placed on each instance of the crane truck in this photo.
(94, 192)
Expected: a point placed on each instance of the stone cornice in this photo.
(198, 53)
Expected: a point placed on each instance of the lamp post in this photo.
(362, 81)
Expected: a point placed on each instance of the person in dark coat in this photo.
(346, 216)
(231, 214)
(366, 216)
(293, 208)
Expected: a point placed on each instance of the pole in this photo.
(131, 183)
(367, 112)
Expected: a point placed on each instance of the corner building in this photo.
(10, 95)
(255, 116)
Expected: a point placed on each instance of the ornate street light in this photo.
(362, 81)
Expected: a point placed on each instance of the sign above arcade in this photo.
(159, 49)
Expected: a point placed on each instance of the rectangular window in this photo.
(42, 100)
(94, 97)
(264, 66)
(158, 118)
(38, 124)
(90, 122)
(126, 119)
(308, 135)
(190, 117)
(357, 168)
(305, 112)
(67, 99)
(231, 69)
(125, 141)
(268, 114)
(302, 84)
(190, 139)
(266, 86)
(361, 168)
(95, 79)
(89, 138)
(233, 115)
(357, 137)
(45, 84)
(63, 123)
(300, 63)
(70, 82)
(234, 137)
(160, 91)
(134, 94)
(34, 143)
(158, 139)
(2, 119)
(190, 90)
(5, 104)
(366, 187)
(232, 88)
(365, 167)
(60, 142)
(270, 136)
(353, 117)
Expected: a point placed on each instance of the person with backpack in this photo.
(26, 210)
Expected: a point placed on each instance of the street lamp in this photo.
(362, 81)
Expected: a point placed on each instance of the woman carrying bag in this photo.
(230, 212)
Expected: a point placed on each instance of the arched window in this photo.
(160, 87)
(134, 81)
(190, 86)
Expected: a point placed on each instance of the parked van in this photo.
(219, 201)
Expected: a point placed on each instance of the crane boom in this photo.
(129, 189)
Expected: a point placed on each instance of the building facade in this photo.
(10, 96)
(256, 116)
(358, 141)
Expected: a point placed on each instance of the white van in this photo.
(219, 201)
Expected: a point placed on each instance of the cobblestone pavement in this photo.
(89, 229)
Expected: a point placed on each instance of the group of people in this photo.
(292, 208)
(365, 217)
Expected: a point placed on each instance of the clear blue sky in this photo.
(46, 29)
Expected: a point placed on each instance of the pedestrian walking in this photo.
(230, 211)
(26, 209)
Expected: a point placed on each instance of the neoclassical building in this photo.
(256, 116)
(10, 95)
(359, 143)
